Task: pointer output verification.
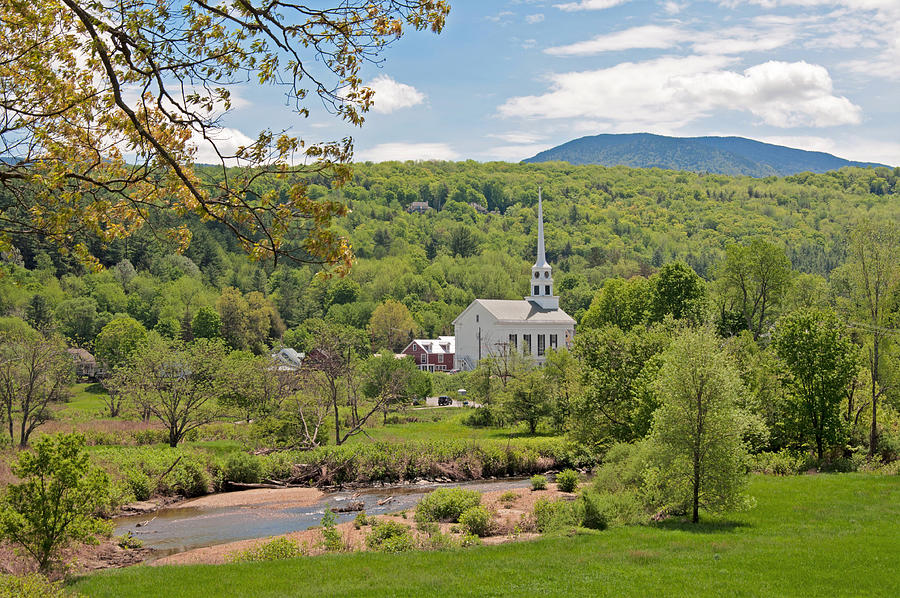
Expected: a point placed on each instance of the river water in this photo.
(174, 530)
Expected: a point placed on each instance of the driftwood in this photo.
(385, 501)
(243, 486)
(350, 507)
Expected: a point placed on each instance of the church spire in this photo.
(541, 283)
(541, 261)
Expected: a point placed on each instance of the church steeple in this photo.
(541, 283)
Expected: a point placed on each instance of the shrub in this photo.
(567, 480)
(508, 498)
(274, 550)
(31, 586)
(439, 541)
(552, 516)
(538, 482)
(242, 468)
(477, 520)
(390, 536)
(191, 478)
(469, 540)
(140, 484)
(446, 504)
(360, 520)
(331, 537)
(56, 501)
(128, 541)
(594, 511)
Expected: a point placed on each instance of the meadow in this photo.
(811, 535)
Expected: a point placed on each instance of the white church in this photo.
(530, 326)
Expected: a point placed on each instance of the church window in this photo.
(547, 274)
(536, 274)
(552, 341)
(542, 339)
(537, 290)
(526, 344)
(476, 317)
(546, 289)
(513, 341)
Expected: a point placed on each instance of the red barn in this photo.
(433, 355)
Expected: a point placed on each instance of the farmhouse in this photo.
(530, 326)
(433, 355)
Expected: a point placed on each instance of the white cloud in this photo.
(535, 18)
(647, 36)
(850, 148)
(514, 153)
(519, 138)
(227, 141)
(391, 95)
(407, 151)
(670, 92)
(673, 8)
(589, 5)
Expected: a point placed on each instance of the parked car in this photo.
(444, 400)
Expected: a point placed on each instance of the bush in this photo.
(390, 536)
(56, 501)
(784, 462)
(567, 480)
(594, 511)
(360, 520)
(275, 550)
(242, 468)
(477, 521)
(140, 484)
(191, 478)
(31, 586)
(331, 537)
(554, 516)
(446, 504)
(538, 482)
(508, 498)
(469, 540)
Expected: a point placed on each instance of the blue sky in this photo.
(507, 79)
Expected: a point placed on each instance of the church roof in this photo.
(511, 311)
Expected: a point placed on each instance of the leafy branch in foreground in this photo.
(103, 106)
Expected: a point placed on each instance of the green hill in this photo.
(723, 155)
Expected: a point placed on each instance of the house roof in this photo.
(521, 311)
(442, 344)
(81, 355)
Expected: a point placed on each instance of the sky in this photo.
(509, 78)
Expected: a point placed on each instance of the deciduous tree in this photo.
(56, 501)
(696, 434)
(35, 371)
(821, 362)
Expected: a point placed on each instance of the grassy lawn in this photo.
(443, 423)
(825, 535)
(86, 403)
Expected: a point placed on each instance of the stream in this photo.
(174, 530)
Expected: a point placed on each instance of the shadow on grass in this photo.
(704, 527)
(96, 389)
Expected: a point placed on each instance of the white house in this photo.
(530, 326)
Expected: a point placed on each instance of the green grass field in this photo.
(444, 423)
(824, 535)
(85, 403)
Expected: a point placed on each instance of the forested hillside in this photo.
(722, 155)
(600, 223)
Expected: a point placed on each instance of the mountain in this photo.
(724, 155)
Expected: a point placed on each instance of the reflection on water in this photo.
(175, 530)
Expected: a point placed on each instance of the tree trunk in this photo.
(873, 433)
(696, 514)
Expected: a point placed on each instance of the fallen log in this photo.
(385, 501)
(350, 507)
(246, 486)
